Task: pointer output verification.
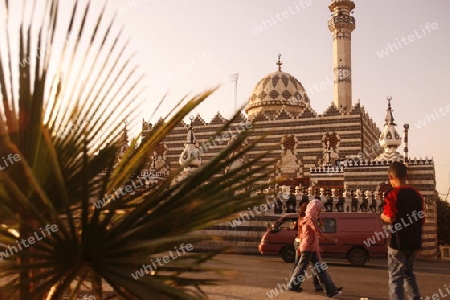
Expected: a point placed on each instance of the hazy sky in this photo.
(217, 38)
(399, 48)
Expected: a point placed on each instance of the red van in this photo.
(360, 236)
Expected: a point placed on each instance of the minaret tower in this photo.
(341, 24)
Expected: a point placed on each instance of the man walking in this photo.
(403, 211)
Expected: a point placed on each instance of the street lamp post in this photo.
(234, 78)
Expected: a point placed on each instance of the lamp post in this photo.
(234, 78)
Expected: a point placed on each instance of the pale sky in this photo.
(188, 46)
(219, 38)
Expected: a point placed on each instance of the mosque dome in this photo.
(276, 90)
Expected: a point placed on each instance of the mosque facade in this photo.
(339, 156)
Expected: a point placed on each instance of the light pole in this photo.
(234, 78)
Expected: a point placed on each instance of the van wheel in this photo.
(357, 257)
(288, 254)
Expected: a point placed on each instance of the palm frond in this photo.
(54, 106)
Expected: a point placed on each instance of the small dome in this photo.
(275, 90)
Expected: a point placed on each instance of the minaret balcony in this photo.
(341, 21)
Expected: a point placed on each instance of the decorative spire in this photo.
(237, 162)
(279, 62)
(390, 140)
(191, 136)
(122, 142)
(124, 138)
(146, 128)
(389, 120)
(189, 158)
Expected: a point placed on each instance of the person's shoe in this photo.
(318, 289)
(339, 288)
(335, 294)
(298, 290)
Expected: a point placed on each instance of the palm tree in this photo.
(61, 82)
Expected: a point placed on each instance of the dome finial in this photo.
(279, 63)
(389, 117)
(191, 136)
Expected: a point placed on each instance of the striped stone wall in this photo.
(355, 130)
(370, 175)
(358, 140)
(243, 233)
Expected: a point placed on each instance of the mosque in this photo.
(340, 156)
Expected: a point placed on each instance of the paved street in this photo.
(253, 277)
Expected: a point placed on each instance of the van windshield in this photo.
(287, 224)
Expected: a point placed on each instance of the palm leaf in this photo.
(51, 117)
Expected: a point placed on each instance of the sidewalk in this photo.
(238, 292)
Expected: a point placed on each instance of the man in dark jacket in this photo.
(403, 211)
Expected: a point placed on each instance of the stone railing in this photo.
(357, 203)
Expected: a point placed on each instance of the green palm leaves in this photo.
(67, 83)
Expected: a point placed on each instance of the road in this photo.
(253, 278)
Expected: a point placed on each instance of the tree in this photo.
(443, 222)
(57, 71)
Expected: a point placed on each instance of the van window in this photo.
(328, 225)
(288, 224)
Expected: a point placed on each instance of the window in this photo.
(328, 225)
(288, 224)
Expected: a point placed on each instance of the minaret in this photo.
(341, 24)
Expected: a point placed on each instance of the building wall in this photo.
(354, 129)
(358, 139)
(372, 176)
